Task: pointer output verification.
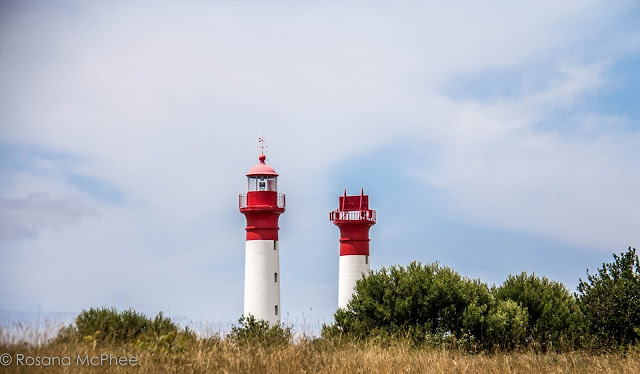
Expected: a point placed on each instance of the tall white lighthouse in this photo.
(354, 219)
(262, 206)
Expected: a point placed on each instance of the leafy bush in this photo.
(554, 320)
(252, 331)
(420, 301)
(107, 325)
(610, 300)
(506, 325)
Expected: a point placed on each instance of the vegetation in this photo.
(254, 332)
(610, 300)
(108, 326)
(553, 318)
(220, 356)
(418, 318)
(420, 302)
(433, 305)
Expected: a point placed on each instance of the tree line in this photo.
(433, 304)
(427, 305)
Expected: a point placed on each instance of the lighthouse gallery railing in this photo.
(261, 199)
(353, 215)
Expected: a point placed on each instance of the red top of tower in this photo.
(354, 209)
(354, 218)
(262, 168)
(262, 204)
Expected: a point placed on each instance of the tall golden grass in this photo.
(220, 356)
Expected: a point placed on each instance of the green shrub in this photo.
(506, 325)
(107, 325)
(257, 332)
(423, 302)
(554, 320)
(610, 301)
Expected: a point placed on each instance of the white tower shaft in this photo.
(351, 269)
(262, 280)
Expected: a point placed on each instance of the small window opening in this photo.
(366, 260)
(275, 277)
(274, 245)
(276, 310)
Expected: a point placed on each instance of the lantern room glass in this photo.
(262, 183)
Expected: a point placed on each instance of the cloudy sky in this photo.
(493, 138)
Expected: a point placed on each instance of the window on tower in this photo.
(275, 277)
(276, 310)
(253, 184)
(271, 185)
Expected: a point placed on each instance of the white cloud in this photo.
(567, 180)
(26, 217)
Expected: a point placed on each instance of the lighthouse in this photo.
(262, 205)
(354, 219)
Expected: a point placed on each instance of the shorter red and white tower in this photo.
(262, 205)
(354, 219)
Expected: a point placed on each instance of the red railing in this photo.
(262, 199)
(353, 215)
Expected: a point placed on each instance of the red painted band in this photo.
(354, 247)
(262, 234)
(262, 225)
(354, 238)
(354, 231)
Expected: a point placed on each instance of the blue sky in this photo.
(492, 138)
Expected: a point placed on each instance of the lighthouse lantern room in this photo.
(262, 205)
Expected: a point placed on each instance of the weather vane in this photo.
(262, 146)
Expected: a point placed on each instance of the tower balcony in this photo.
(356, 216)
(262, 200)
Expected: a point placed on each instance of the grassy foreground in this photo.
(219, 356)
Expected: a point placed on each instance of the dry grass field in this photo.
(216, 356)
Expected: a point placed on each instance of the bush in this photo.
(257, 332)
(107, 325)
(554, 320)
(610, 301)
(423, 302)
(506, 325)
